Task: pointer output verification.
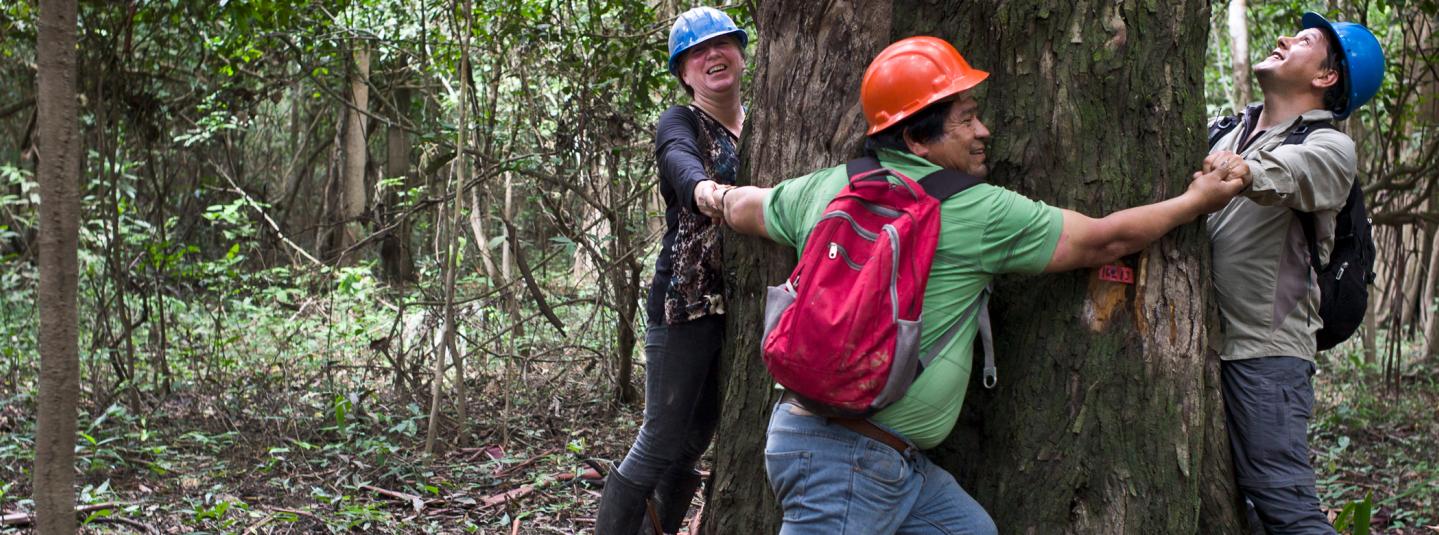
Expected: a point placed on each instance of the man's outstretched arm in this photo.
(1087, 242)
(741, 208)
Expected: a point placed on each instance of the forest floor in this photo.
(295, 427)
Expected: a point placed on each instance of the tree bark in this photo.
(1107, 417)
(1431, 325)
(624, 273)
(396, 251)
(58, 171)
(1239, 54)
(352, 193)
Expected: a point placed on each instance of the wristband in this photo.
(724, 208)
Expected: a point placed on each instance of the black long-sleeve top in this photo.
(690, 147)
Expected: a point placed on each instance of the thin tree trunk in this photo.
(452, 238)
(58, 171)
(352, 197)
(625, 279)
(512, 304)
(1239, 54)
(1431, 326)
(1371, 328)
(396, 252)
(1413, 238)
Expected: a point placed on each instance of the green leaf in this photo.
(103, 513)
(342, 408)
(1362, 512)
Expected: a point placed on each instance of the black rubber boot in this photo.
(622, 506)
(672, 500)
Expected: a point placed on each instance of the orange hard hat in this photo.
(910, 74)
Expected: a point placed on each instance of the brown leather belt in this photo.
(858, 425)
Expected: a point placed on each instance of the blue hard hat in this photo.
(699, 25)
(1363, 60)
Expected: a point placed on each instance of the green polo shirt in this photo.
(984, 231)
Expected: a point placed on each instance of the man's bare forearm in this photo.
(743, 209)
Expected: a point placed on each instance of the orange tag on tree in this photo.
(1116, 273)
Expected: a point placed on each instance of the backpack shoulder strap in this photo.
(859, 166)
(1220, 127)
(945, 183)
(1306, 219)
(941, 184)
(1300, 133)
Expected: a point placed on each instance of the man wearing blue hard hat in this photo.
(1273, 247)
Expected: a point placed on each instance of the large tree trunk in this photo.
(1107, 416)
(805, 115)
(58, 171)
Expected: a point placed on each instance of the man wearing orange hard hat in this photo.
(838, 473)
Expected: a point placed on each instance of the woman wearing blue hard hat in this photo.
(696, 147)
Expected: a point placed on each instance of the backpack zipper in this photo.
(837, 251)
(863, 233)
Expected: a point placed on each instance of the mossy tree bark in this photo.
(1107, 416)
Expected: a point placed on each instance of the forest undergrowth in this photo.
(282, 413)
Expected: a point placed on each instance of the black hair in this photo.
(1336, 98)
(924, 126)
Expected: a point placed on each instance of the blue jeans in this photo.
(833, 481)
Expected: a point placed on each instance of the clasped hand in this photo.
(709, 198)
(1223, 175)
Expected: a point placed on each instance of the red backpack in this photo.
(843, 331)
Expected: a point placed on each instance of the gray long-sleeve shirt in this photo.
(1268, 294)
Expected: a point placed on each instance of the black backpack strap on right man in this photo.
(1220, 127)
(941, 184)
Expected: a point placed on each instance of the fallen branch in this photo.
(273, 226)
(503, 497)
(298, 512)
(25, 519)
(416, 502)
(510, 470)
(141, 526)
(534, 287)
(523, 490)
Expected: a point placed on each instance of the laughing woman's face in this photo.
(713, 67)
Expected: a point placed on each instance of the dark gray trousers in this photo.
(681, 400)
(1268, 402)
